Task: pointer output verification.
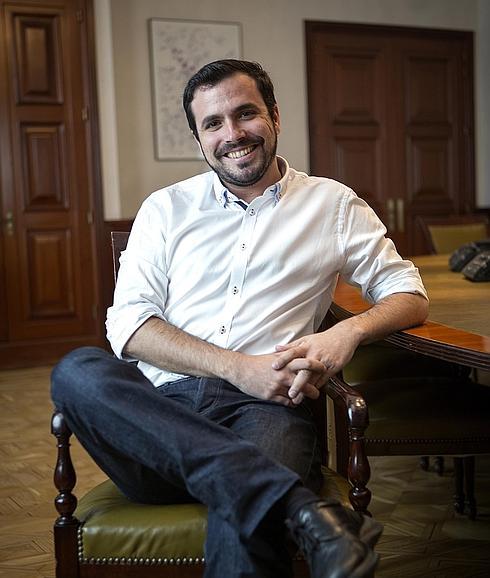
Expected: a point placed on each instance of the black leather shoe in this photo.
(336, 542)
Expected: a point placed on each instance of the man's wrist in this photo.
(356, 328)
(233, 366)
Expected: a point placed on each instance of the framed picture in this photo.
(178, 49)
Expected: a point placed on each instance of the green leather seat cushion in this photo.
(113, 527)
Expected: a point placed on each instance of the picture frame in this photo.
(178, 49)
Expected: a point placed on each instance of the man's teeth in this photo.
(240, 153)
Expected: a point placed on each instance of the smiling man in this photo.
(238, 135)
(223, 286)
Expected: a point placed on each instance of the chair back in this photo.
(119, 240)
(448, 233)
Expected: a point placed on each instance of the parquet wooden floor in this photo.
(422, 537)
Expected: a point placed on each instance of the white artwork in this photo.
(178, 50)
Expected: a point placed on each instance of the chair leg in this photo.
(469, 478)
(359, 473)
(458, 498)
(439, 465)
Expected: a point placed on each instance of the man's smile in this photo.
(240, 153)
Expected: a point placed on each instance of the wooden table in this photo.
(458, 328)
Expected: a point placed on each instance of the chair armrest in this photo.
(64, 473)
(351, 421)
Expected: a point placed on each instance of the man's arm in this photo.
(164, 345)
(336, 346)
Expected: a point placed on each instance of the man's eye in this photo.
(247, 114)
(211, 125)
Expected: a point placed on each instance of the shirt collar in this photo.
(276, 191)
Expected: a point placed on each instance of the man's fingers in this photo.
(307, 363)
(284, 357)
(298, 399)
(283, 400)
(301, 386)
(286, 346)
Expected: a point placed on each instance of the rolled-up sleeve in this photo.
(142, 283)
(371, 260)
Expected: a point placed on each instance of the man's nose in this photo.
(234, 131)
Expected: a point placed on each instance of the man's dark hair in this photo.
(214, 72)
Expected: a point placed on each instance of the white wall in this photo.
(482, 114)
(273, 34)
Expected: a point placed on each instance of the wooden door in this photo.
(49, 203)
(391, 115)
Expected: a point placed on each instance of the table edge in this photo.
(414, 340)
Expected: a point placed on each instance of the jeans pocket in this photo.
(181, 390)
(208, 394)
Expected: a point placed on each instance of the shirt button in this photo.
(222, 329)
(243, 246)
(235, 290)
(252, 212)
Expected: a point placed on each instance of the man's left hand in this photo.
(334, 348)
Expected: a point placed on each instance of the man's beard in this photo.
(241, 175)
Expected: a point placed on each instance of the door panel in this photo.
(50, 282)
(37, 50)
(391, 116)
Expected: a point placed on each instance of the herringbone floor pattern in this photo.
(422, 537)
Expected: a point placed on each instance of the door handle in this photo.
(390, 207)
(9, 223)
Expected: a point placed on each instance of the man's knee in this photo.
(71, 375)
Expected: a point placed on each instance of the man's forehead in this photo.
(235, 85)
(226, 97)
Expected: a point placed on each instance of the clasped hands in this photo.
(299, 369)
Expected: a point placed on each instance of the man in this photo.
(224, 282)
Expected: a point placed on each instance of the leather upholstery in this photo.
(403, 411)
(423, 399)
(113, 527)
(381, 360)
(447, 238)
(417, 406)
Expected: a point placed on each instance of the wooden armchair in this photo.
(418, 406)
(105, 535)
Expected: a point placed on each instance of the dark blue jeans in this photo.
(195, 439)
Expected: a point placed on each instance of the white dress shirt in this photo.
(248, 279)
